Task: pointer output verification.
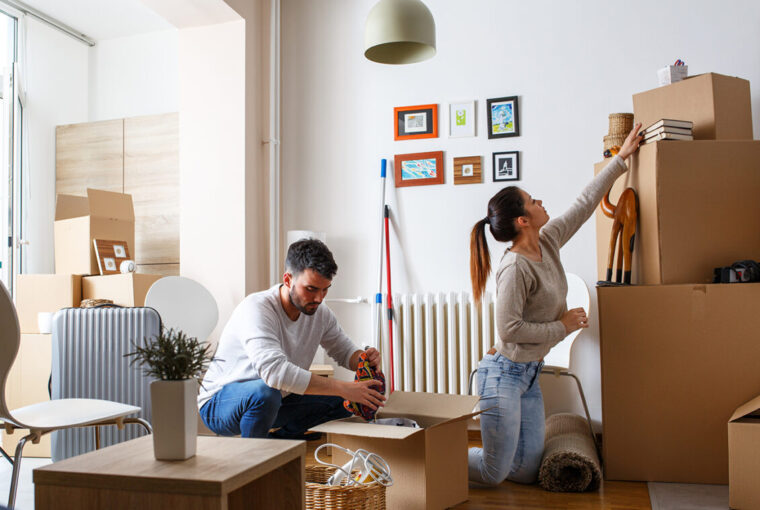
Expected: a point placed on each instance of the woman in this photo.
(531, 317)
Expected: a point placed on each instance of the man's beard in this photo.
(300, 306)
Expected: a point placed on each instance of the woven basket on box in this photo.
(611, 141)
(620, 124)
(340, 497)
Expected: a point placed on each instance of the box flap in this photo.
(107, 204)
(71, 206)
(750, 408)
(436, 406)
(357, 427)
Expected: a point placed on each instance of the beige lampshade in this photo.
(399, 32)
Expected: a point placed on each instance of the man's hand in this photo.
(374, 358)
(362, 392)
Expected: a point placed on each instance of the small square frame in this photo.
(506, 166)
(503, 117)
(462, 176)
(404, 175)
(110, 255)
(415, 122)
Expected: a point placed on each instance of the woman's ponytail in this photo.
(480, 260)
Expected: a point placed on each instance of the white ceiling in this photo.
(103, 19)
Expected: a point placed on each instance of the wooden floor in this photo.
(508, 495)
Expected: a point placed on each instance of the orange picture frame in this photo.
(415, 122)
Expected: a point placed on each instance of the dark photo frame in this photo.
(506, 166)
(503, 117)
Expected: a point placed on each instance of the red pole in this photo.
(390, 294)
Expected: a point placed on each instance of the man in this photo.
(259, 378)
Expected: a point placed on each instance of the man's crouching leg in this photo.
(299, 413)
(246, 408)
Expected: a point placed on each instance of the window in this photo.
(10, 149)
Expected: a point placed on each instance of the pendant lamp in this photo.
(399, 32)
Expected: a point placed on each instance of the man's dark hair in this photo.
(311, 254)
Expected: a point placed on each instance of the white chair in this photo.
(45, 417)
(184, 304)
(557, 362)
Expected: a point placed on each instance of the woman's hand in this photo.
(574, 319)
(631, 143)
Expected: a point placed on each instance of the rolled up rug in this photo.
(570, 462)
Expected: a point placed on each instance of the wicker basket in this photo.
(611, 141)
(620, 124)
(332, 497)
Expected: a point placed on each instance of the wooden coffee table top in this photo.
(221, 465)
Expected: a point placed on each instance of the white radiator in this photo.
(437, 340)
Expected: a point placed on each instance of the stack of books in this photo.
(669, 129)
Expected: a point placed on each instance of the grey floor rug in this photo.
(685, 496)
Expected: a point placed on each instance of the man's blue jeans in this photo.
(513, 428)
(251, 408)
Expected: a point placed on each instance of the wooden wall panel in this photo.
(162, 269)
(89, 155)
(151, 176)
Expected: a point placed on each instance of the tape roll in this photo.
(127, 266)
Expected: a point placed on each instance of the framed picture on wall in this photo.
(418, 169)
(461, 119)
(413, 122)
(506, 166)
(467, 170)
(503, 117)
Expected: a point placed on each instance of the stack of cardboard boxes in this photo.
(78, 220)
(679, 354)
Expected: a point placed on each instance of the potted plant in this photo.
(177, 363)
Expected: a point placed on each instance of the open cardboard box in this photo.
(428, 464)
(78, 220)
(744, 456)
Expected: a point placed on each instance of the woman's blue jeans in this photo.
(251, 409)
(512, 423)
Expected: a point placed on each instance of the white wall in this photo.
(57, 91)
(132, 76)
(571, 63)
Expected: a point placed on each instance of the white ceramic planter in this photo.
(175, 421)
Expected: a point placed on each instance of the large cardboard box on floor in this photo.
(698, 209)
(123, 289)
(37, 293)
(78, 220)
(719, 106)
(27, 384)
(744, 456)
(677, 360)
(428, 464)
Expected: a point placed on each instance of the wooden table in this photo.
(226, 473)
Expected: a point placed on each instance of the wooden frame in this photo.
(110, 255)
(414, 122)
(414, 169)
(503, 117)
(510, 172)
(468, 170)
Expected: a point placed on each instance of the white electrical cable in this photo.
(371, 466)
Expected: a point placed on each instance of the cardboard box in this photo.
(123, 289)
(37, 293)
(428, 464)
(677, 360)
(697, 207)
(744, 456)
(27, 384)
(79, 220)
(719, 106)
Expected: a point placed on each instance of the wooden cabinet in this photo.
(139, 156)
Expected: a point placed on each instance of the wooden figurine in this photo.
(624, 216)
